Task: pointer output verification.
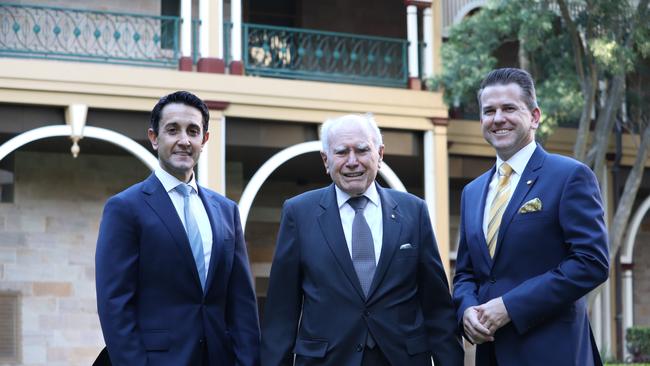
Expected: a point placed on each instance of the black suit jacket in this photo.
(316, 308)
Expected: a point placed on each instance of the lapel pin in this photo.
(529, 182)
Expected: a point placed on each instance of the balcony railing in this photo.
(80, 35)
(327, 56)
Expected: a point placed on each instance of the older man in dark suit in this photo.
(357, 277)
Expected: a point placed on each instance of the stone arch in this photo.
(260, 176)
(93, 132)
(627, 263)
(466, 9)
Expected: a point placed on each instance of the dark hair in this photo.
(511, 75)
(183, 97)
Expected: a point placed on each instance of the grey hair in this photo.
(363, 119)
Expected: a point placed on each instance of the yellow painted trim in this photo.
(466, 138)
(215, 152)
(133, 88)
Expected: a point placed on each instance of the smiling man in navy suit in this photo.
(356, 277)
(173, 283)
(533, 241)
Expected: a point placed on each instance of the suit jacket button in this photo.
(493, 280)
(359, 347)
(201, 340)
(366, 313)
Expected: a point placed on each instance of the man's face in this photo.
(353, 159)
(507, 123)
(180, 139)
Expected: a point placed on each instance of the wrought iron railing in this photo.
(71, 34)
(227, 51)
(196, 40)
(328, 56)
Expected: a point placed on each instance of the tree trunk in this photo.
(605, 124)
(632, 183)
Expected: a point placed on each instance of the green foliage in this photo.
(638, 343)
(538, 29)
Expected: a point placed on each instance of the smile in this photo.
(353, 175)
(501, 132)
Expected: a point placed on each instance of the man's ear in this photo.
(324, 157)
(381, 154)
(153, 138)
(537, 116)
(205, 138)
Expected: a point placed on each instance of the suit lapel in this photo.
(217, 234)
(392, 229)
(484, 184)
(332, 229)
(158, 199)
(526, 182)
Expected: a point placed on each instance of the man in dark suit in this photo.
(173, 283)
(357, 278)
(533, 241)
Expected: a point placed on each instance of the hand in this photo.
(475, 332)
(493, 314)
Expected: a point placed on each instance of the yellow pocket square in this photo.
(531, 206)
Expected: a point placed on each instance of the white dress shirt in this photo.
(170, 182)
(372, 213)
(518, 163)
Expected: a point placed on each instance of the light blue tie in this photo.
(193, 233)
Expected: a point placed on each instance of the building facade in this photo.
(79, 79)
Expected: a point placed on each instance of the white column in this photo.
(186, 28)
(427, 30)
(203, 166)
(212, 164)
(628, 307)
(412, 34)
(597, 323)
(429, 180)
(204, 28)
(235, 38)
(222, 155)
(219, 27)
(607, 319)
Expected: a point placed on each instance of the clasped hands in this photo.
(482, 321)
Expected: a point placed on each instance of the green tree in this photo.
(591, 62)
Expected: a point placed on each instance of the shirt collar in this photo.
(170, 182)
(520, 159)
(371, 193)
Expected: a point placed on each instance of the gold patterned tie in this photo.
(498, 206)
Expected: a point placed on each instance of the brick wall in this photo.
(47, 249)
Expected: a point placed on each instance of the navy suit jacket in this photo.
(545, 263)
(149, 298)
(317, 310)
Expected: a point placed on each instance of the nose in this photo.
(352, 159)
(498, 115)
(183, 138)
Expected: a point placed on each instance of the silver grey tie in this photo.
(363, 247)
(193, 234)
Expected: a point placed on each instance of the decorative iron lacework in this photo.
(71, 34)
(327, 56)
